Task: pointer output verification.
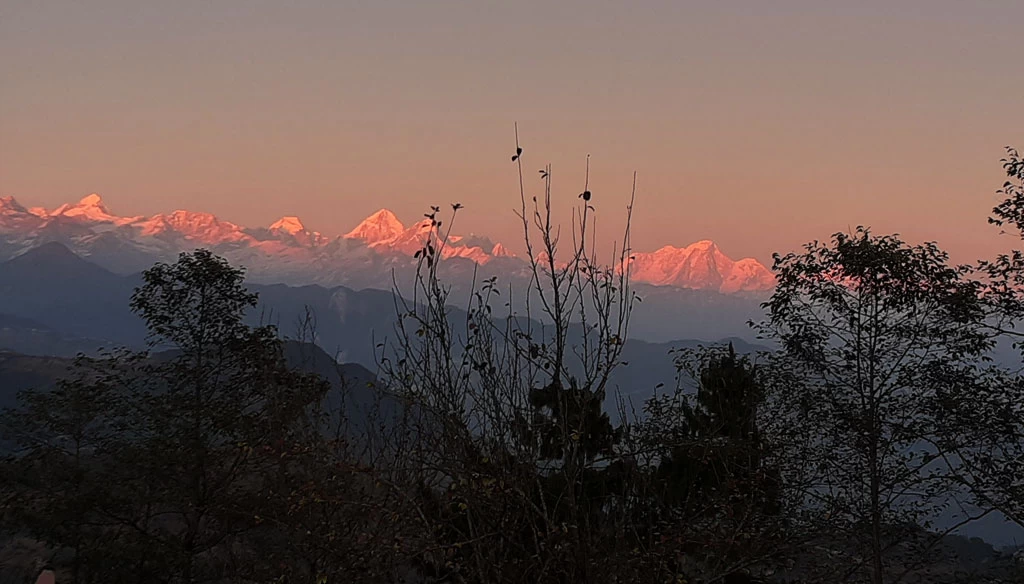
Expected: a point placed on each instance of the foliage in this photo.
(879, 339)
(994, 462)
(715, 470)
(144, 467)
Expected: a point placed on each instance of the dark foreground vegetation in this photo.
(482, 450)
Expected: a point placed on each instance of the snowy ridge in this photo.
(286, 249)
(700, 265)
(377, 229)
(89, 209)
(290, 225)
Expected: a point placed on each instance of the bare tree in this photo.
(512, 429)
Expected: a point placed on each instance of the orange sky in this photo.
(759, 125)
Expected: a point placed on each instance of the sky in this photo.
(759, 125)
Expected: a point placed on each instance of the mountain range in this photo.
(287, 252)
(55, 303)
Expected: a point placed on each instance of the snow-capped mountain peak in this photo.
(193, 226)
(500, 251)
(288, 224)
(92, 200)
(747, 274)
(378, 228)
(91, 209)
(704, 245)
(15, 218)
(700, 265)
(9, 206)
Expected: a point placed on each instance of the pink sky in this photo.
(760, 125)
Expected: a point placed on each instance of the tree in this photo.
(54, 488)
(167, 459)
(715, 483)
(719, 442)
(514, 456)
(994, 462)
(878, 338)
(1005, 274)
(224, 408)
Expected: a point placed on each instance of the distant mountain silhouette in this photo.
(51, 262)
(75, 299)
(23, 335)
(19, 372)
(55, 287)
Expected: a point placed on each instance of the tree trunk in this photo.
(877, 576)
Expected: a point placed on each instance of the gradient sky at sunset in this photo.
(757, 124)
